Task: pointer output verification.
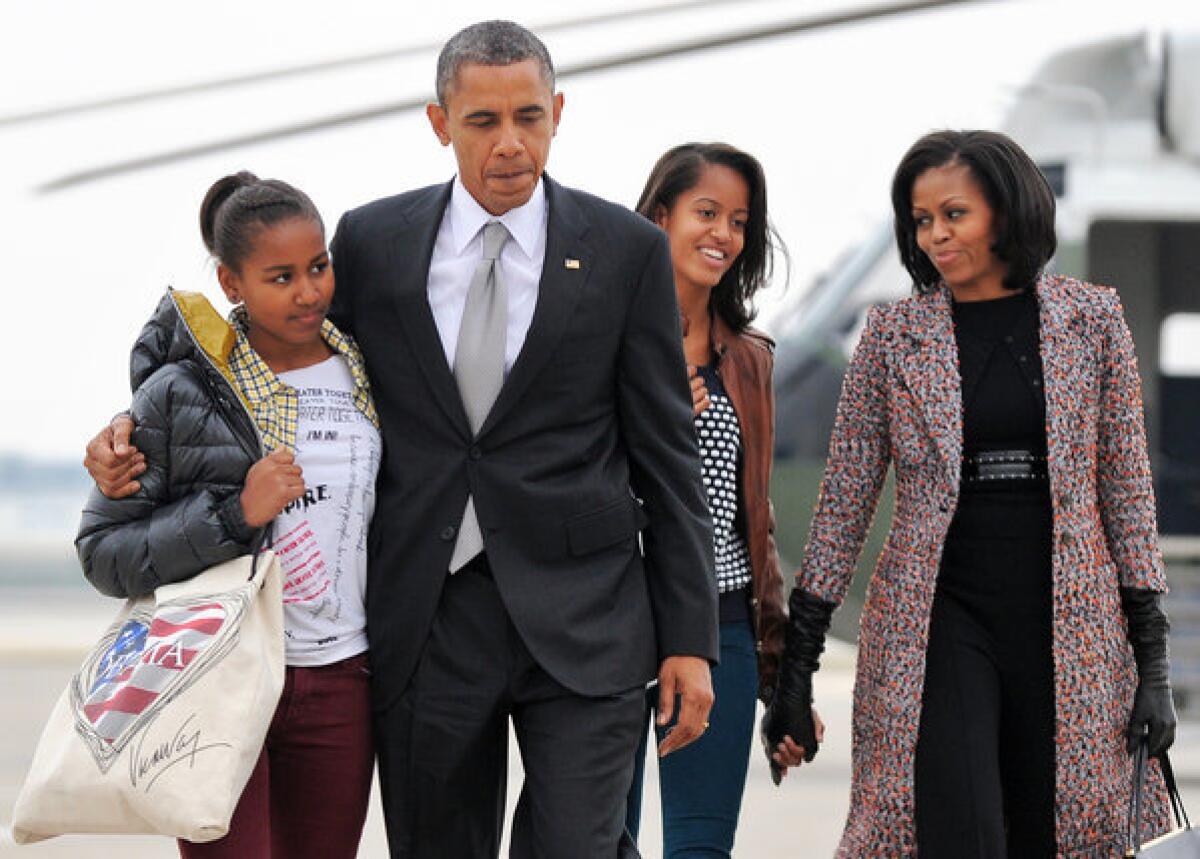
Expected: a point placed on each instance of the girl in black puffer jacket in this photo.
(265, 418)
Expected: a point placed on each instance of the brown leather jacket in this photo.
(745, 362)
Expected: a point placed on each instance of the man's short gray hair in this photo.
(490, 43)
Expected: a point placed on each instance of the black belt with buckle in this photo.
(1004, 467)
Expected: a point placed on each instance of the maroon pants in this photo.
(307, 796)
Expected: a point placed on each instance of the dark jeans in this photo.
(701, 784)
(307, 797)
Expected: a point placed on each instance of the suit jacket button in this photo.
(475, 452)
(449, 533)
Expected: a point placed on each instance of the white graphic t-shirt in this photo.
(321, 538)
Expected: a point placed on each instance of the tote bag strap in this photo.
(1134, 837)
(1181, 817)
(261, 542)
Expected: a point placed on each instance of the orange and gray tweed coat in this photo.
(901, 405)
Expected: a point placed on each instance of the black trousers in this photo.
(443, 749)
(985, 761)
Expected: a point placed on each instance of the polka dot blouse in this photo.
(720, 438)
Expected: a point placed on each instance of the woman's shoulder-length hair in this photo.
(1021, 199)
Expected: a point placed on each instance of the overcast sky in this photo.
(828, 113)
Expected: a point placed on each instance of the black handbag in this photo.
(1183, 842)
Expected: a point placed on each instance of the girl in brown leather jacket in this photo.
(711, 200)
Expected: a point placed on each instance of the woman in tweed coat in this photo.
(974, 221)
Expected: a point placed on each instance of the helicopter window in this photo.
(1056, 175)
(1179, 345)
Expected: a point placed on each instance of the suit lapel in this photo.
(411, 252)
(566, 267)
(929, 365)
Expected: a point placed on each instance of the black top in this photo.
(996, 561)
(1004, 405)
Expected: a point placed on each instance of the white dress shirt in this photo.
(458, 250)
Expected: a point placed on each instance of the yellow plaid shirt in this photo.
(274, 405)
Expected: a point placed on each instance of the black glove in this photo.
(1153, 714)
(790, 712)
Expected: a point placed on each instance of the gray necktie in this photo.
(479, 363)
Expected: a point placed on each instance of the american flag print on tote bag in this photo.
(144, 662)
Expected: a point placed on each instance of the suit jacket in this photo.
(589, 442)
(901, 404)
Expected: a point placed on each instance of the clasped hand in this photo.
(790, 736)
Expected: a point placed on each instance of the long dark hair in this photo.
(678, 170)
(1020, 197)
(237, 206)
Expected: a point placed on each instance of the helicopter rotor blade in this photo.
(287, 72)
(614, 61)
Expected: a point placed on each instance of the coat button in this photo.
(475, 452)
(449, 533)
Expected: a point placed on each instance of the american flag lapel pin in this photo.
(571, 263)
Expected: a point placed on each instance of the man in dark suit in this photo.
(559, 621)
(506, 576)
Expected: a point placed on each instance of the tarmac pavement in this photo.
(800, 819)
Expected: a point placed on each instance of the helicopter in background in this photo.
(1114, 123)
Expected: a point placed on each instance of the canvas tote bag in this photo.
(160, 728)
(1181, 843)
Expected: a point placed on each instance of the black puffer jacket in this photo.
(199, 442)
